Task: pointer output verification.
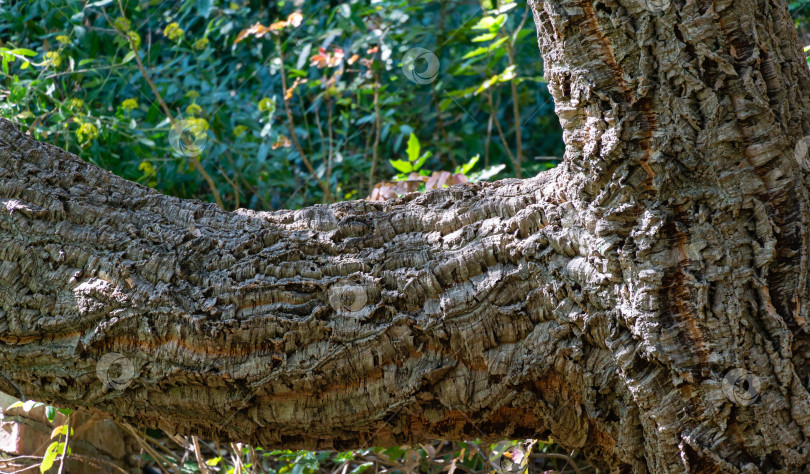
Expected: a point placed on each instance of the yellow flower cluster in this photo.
(173, 32)
(267, 105)
(53, 58)
(197, 123)
(63, 39)
(135, 37)
(86, 132)
(122, 24)
(129, 104)
(194, 109)
(201, 44)
(76, 103)
(239, 130)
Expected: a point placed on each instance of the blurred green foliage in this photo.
(73, 74)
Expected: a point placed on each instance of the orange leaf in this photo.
(295, 84)
(337, 58)
(282, 142)
(352, 59)
(295, 19)
(278, 25)
(257, 30)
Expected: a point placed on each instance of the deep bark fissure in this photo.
(601, 303)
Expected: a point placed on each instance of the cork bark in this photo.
(606, 303)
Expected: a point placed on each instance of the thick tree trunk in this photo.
(607, 303)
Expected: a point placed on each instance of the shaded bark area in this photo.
(601, 303)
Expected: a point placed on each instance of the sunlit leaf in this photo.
(413, 148)
(50, 455)
(484, 37)
(484, 49)
(401, 165)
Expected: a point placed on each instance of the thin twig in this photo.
(377, 130)
(516, 111)
(329, 129)
(65, 447)
(327, 193)
(159, 459)
(194, 160)
(501, 134)
(198, 455)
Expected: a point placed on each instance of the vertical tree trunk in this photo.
(610, 303)
(680, 122)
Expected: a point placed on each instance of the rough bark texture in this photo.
(601, 303)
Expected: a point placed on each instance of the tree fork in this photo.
(603, 303)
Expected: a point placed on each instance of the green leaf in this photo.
(16, 404)
(361, 468)
(491, 23)
(129, 57)
(50, 413)
(61, 430)
(401, 165)
(65, 411)
(468, 166)
(444, 104)
(507, 75)
(507, 7)
(484, 49)
(421, 160)
(413, 148)
(484, 37)
(213, 461)
(23, 51)
(484, 23)
(50, 456)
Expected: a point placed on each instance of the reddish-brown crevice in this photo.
(677, 297)
(592, 29)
